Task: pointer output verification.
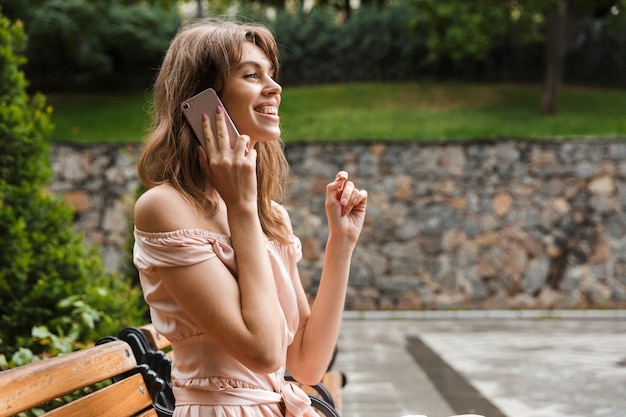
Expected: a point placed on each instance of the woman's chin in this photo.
(268, 137)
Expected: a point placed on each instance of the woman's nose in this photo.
(272, 87)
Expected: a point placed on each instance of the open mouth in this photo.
(271, 110)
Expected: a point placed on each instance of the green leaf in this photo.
(40, 332)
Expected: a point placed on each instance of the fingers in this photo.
(222, 130)
(207, 130)
(349, 201)
(217, 137)
(348, 196)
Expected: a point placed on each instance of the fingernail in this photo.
(204, 117)
(218, 109)
(344, 201)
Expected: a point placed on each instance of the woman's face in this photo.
(252, 96)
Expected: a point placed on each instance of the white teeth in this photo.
(267, 110)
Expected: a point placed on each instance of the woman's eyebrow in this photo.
(254, 64)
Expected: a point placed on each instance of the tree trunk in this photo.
(556, 46)
(200, 12)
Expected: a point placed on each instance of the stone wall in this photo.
(101, 183)
(511, 224)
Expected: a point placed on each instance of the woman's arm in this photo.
(242, 314)
(238, 313)
(314, 343)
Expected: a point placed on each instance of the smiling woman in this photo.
(252, 96)
(215, 250)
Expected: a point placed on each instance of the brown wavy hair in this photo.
(201, 56)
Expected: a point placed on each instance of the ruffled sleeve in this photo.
(180, 248)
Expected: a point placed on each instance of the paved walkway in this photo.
(501, 364)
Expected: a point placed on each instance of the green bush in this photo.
(110, 45)
(48, 276)
(384, 44)
(307, 47)
(374, 44)
(89, 45)
(378, 44)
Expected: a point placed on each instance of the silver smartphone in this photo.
(206, 102)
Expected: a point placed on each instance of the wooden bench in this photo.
(162, 346)
(38, 383)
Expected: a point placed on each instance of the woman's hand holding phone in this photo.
(206, 103)
(231, 171)
(227, 161)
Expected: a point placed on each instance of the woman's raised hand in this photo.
(345, 207)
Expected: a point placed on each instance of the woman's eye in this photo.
(252, 75)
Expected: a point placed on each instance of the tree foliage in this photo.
(461, 29)
(373, 45)
(458, 29)
(87, 45)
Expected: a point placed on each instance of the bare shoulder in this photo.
(163, 209)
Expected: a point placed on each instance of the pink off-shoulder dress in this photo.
(208, 382)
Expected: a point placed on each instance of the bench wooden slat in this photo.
(156, 339)
(122, 399)
(31, 385)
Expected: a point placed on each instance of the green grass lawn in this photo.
(402, 111)
(99, 118)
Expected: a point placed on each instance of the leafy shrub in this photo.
(93, 45)
(43, 260)
(307, 47)
(114, 44)
(374, 44)
(377, 44)
(387, 44)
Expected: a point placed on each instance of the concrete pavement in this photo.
(499, 364)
